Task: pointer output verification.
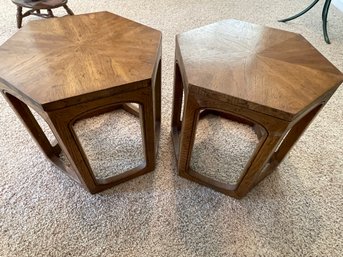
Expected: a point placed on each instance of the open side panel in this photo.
(223, 146)
(112, 142)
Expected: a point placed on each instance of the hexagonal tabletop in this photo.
(60, 59)
(268, 70)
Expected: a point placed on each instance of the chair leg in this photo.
(324, 18)
(19, 16)
(301, 13)
(70, 12)
(50, 13)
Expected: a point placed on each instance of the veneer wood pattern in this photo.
(274, 80)
(97, 62)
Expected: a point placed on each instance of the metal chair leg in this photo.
(324, 18)
(301, 13)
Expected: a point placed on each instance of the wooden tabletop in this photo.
(265, 69)
(59, 59)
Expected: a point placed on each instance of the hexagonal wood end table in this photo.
(77, 67)
(273, 80)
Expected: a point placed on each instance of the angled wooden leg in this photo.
(176, 112)
(148, 130)
(26, 116)
(156, 85)
(62, 121)
(289, 141)
(187, 135)
(74, 152)
(269, 140)
(256, 165)
(157, 96)
(19, 16)
(272, 152)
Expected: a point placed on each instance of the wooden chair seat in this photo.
(36, 5)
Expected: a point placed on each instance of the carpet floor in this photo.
(296, 211)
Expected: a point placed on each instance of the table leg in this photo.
(157, 103)
(51, 152)
(177, 98)
(24, 113)
(187, 136)
(272, 152)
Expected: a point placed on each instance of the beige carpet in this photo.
(297, 211)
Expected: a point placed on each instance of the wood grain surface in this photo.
(268, 70)
(272, 80)
(75, 67)
(60, 61)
